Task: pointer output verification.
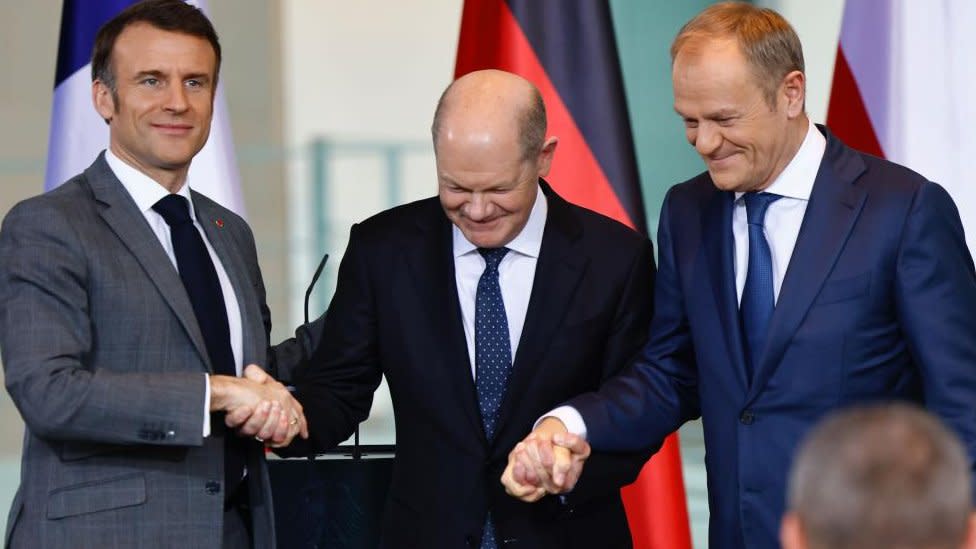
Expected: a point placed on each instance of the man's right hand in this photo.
(257, 405)
(549, 460)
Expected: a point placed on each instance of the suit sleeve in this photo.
(606, 472)
(659, 390)
(336, 384)
(46, 337)
(936, 306)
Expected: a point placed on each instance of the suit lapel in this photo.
(431, 267)
(720, 254)
(225, 246)
(124, 218)
(557, 275)
(835, 204)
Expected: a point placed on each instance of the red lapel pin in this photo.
(219, 223)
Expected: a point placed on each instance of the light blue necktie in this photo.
(758, 301)
(492, 355)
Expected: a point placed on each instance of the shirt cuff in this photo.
(206, 407)
(571, 419)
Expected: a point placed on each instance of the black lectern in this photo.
(334, 501)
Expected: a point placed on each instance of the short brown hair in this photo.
(168, 15)
(882, 476)
(767, 40)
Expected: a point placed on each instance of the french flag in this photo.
(78, 134)
(568, 50)
(904, 89)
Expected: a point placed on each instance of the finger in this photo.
(574, 443)
(562, 461)
(237, 417)
(527, 465)
(267, 431)
(284, 430)
(255, 373)
(255, 421)
(541, 451)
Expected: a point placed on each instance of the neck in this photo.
(170, 179)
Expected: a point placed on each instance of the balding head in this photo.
(490, 147)
(492, 104)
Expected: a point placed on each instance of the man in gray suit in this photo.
(129, 305)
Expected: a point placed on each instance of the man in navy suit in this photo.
(795, 276)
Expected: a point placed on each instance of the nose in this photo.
(478, 208)
(176, 99)
(707, 139)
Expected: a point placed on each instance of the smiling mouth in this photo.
(173, 128)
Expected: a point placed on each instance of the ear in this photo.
(544, 161)
(970, 541)
(103, 100)
(791, 534)
(794, 89)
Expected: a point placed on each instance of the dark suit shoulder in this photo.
(602, 230)
(885, 175)
(401, 220)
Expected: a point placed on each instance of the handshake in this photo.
(258, 405)
(548, 461)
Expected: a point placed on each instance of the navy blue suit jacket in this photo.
(878, 303)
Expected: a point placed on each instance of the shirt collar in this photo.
(796, 180)
(529, 240)
(144, 190)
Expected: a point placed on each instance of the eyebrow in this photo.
(161, 74)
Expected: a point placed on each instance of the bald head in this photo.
(491, 105)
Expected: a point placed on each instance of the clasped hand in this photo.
(548, 461)
(258, 406)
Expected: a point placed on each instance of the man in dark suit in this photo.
(129, 304)
(484, 308)
(796, 275)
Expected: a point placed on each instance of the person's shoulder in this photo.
(402, 219)
(72, 198)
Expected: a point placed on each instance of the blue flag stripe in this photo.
(80, 21)
(575, 43)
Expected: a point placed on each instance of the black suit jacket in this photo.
(396, 312)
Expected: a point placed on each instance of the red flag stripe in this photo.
(847, 115)
(575, 174)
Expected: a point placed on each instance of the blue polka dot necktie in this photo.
(758, 300)
(492, 355)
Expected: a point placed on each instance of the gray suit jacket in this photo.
(105, 361)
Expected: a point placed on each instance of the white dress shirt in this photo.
(146, 192)
(516, 273)
(781, 228)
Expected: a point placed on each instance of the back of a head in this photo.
(767, 40)
(882, 477)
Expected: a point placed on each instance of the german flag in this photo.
(567, 49)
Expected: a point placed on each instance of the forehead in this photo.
(143, 47)
(708, 74)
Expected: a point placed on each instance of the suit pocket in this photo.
(844, 289)
(92, 497)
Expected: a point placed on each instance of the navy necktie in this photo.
(492, 355)
(758, 301)
(203, 288)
